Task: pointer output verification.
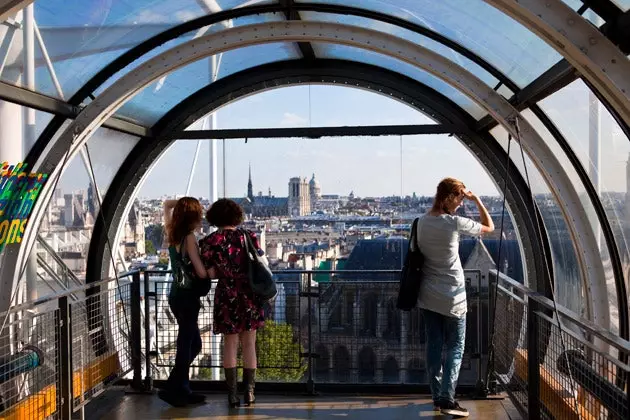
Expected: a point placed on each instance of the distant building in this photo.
(269, 206)
(299, 197)
(250, 186)
(315, 192)
(132, 242)
(391, 343)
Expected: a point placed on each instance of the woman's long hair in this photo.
(186, 217)
(447, 189)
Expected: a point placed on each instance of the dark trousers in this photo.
(186, 311)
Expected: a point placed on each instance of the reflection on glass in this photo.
(343, 52)
(506, 44)
(407, 35)
(81, 38)
(246, 20)
(157, 99)
(569, 286)
(107, 151)
(604, 151)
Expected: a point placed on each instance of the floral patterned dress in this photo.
(236, 307)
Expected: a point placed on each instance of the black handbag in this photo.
(411, 274)
(186, 277)
(260, 276)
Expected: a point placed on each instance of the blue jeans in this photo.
(444, 330)
(186, 311)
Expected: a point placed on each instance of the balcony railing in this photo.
(58, 353)
(343, 330)
(555, 364)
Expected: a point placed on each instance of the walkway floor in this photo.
(116, 405)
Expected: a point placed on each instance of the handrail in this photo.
(305, 271)
(58, 259)
(607, 336)
(65, 293)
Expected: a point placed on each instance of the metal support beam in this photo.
(291, 14)
(10, 7)
(5, 47)
(78, 132)
(618, 31)
(558, 76)
(596, 58)
(606, 9)
(318, 132)
(34, 100)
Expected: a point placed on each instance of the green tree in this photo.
(277, 347)
(149, 247)
(278, 353)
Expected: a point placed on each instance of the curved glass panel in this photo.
(155, 100)
(342, 52)
(569, 284)
(81, 37)
(246, 20)
(108, 149)
(408, 35)
(67, 227)
(604, 151)
(506, 44)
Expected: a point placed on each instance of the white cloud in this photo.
(185, 15)
(148, 16)
(292, 120)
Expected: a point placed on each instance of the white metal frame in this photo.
(9, 8)
(116, 95)
(596, 58)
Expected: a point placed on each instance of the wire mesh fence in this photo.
(101, 333)
(279, 344)
(510, 345)
(594, 380)
(555, 364)
(28, 360)
(350, 326)
(57, 353)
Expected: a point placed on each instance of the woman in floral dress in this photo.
(238, 312)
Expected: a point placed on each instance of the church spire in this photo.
(250, 187)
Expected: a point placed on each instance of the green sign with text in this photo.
(18, 192)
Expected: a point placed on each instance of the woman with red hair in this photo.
(184, 302)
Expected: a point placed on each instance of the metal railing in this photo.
(555, 364)
(57, 271)
(59, 352)
(344, 329)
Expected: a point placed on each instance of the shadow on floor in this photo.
(116, 405)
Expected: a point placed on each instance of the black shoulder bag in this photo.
(411, 274)
(186, 277)
(260, 276)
